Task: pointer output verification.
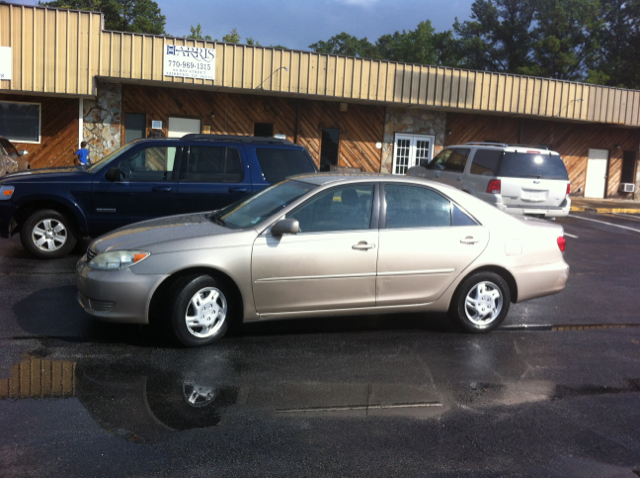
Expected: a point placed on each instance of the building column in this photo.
(102, 120)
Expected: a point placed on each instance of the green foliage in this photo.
(196, 34)
(345, 44)
(232, 37)
(140, 16)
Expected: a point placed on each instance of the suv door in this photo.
(147, 188)
(448, 166)
(213, 176)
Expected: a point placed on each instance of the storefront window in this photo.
(20, 122)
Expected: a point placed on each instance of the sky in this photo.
(296, 24)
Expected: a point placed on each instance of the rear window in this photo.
(532, 165)
(279, 164)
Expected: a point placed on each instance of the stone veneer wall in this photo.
(411, 121)
(102, 119)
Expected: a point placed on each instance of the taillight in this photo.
(568, 189)
(494, 187)
(561, 243)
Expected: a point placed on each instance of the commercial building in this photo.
(65, 79)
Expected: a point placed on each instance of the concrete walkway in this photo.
(614, 205)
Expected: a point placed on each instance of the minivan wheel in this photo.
(48, 234)
(481, 303)
(199, 309)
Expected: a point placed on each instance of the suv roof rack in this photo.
(485, 143)
(235, 139)
(540, 147)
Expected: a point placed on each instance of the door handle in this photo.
(459, 178)
(437, 175)
(469, 240)
(164, 189)
(237, 189)
(363, 245)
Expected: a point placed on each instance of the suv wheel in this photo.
(200, 310)
(47, 234)
(481, 303)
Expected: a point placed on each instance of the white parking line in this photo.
(624, 215)
(605, 223)
(570, 236)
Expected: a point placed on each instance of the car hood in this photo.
(39, 173)
(165, 230)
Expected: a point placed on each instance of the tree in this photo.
(345, 44)
(232, 37)
(498, 37)
(196, 34)
(140, 16)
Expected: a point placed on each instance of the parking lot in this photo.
(554, 391)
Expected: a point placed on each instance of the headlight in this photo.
(114, 260)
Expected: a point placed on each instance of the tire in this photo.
(211, 299)
(481, 303)
(48, 234)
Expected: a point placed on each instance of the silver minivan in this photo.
(521, 180)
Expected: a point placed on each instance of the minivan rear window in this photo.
(532, 165)
(278, 164)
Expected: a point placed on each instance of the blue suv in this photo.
(144, 179)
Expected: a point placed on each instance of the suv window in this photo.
(278, 164)
(214, 164)
(337, 210)
(533, 165)
(154, 163)
(415, 207)
(450, 159)
(486, 162)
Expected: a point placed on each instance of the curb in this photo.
(605, 210)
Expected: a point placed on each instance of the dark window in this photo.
(533, 165)
(450, 160)
(214, 164)
(154, 163)
(415, 207)
(628, 167)
(486, 162)
(460, 218)
(20, 122)
(278, 164)
(440, 160)
(263, 129)
(337, 210)
(329, 148)
(135, 126)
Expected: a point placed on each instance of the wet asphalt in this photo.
(554, 392)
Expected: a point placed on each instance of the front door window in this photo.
(154, 163)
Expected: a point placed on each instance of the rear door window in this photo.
(278, 164)
(533, 165)
(486, 162)
(214, 164)
(415, 207)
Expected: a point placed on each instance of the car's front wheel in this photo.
(200, 309)
(481, 302)
(48, 234)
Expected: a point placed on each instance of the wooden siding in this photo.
(62, 51)
(235, 114)
(39, 378)
(571, 140)
(58, 130)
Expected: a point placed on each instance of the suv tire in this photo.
(48, 234)
(480, 303)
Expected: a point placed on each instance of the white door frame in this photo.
(413, 139)
(593, 188)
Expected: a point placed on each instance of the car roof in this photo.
(506, 147)
(321, 179)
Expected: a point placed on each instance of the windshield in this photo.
(533, 165)
(98, 165)
(259, 207)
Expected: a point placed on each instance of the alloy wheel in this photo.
(483, 303)
(206, 312)
(49, 235)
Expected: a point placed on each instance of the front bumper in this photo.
(115, 296)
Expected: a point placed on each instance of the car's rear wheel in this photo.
(200, 309)
(48, 234)
(481, 302)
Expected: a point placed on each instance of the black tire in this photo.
(215, 326)
(56, 243)
(466, 316)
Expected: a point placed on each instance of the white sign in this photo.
(156, 125)
(5, 63)
(189, 62)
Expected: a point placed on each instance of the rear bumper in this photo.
(562, 210)
(535, 281)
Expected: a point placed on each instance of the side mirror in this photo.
(24, 152)
(287, 226)
(114, 174)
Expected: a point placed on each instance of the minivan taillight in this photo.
(494, 187)
(561, 243)
(568, 189)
